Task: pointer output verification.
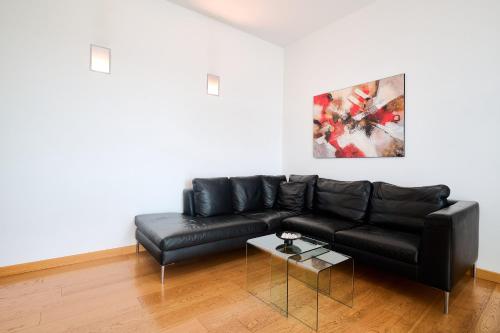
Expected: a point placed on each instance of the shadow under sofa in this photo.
(409, 236)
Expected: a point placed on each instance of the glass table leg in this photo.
(342, 282)
(266, 277)
(303, 288)
(279, 284)
(258, 273)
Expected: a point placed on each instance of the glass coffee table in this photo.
(295, 278)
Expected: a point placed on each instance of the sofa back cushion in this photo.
(270, 187)
(405, 208)
(341, 198)
(311, 185)
(247, 194)
(292, 196)
(212, 196)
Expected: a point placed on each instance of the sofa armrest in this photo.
(188, 202)
(450, 242)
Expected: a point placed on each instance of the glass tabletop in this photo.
(275, 245)
(319, 259)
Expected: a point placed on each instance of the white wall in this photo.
(81, 153)
(450, 52)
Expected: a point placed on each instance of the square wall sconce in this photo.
(212, 85)
(100, 59)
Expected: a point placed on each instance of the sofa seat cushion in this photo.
(170, 231)
(317, 226)
(272, 217)
(402, 246)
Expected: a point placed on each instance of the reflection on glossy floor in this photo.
(124, 294)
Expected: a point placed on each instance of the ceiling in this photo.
(277, 21)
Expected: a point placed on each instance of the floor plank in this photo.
(489, 321)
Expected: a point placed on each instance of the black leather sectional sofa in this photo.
(416, 232)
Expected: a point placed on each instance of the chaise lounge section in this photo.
(209, 225)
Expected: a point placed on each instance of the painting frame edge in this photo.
(365, 157)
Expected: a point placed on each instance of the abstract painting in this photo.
(366, 120)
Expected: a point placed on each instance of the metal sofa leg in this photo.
(162, 274)
(446, 301)
(473, 270)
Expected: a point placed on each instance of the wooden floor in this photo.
(124, 294)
